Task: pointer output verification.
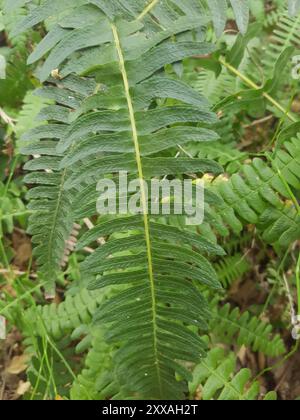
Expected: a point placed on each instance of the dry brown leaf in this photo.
(242, 355)
(23, 387)
(262, 363)
(23, 254)
(18, 364)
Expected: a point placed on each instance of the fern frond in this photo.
(96, 381)
(237, 244)
(65, 323)
(274, 15)
(244, 329)
(216, 379)
(232, 268)
(74, 312)
(259, 196)
(27, 117)
(13, 13)
(151, 306)
(212, 87)
(285, 35)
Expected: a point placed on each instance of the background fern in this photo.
(259, 196)
(217, 380)
(232, 268)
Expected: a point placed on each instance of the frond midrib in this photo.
(143, 195)
(147, 9)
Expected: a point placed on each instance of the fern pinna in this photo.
(119, 126)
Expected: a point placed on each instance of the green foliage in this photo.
(133, 86)
(73, 319)
(47, 372)
(217, 379)
(261, 195)
(232, 268)
(29, 113)
(286, 34)
(244, 329)
(219, 8)
(96, 381)
(17, 81)
(142, 304)
(12, 207)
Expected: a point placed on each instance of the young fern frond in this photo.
(27, 117)
(160, 303)
(13, 13)
(232, 268)
(230, 326)
(212, 87)
(274, 15)
(152, 287)
(285, 35)
(96, 381)
(259, 196)
(73, 313)
(216, 379)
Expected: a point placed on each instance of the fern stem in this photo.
(143, 192)
(3, 253)
(4, 256)
(11, 174)
(253, 85)
(147, 9)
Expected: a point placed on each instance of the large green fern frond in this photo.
(125, 130)
(143, 304)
